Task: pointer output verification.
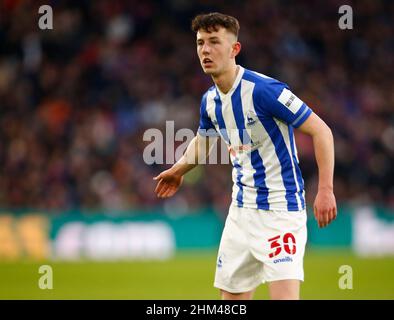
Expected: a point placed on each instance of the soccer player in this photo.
(265, 232)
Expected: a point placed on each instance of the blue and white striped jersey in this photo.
(256, 119)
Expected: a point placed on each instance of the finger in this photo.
(159, 186)
(318, 218)
(330, 215)
(172, 192)
(326, 217)
(162, 188)
(321, 222)
(157, 177)
(317, 215)
(322, 219)
(333, 213)
(166, 193)
(163, 191)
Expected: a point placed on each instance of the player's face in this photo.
(215, 50)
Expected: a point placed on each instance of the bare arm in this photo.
(325, 204)
(170, 180)
(197, 151)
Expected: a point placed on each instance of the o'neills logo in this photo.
(285, 259)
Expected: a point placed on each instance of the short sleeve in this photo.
(206, 127)
(277, 100)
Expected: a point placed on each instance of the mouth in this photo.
(207, 62)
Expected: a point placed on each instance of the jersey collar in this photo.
(235, 84)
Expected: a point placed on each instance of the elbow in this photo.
(327, 135)
(327, 130)
(323, 131)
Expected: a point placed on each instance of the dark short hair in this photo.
(212, 21)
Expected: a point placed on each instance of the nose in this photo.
(205, 48)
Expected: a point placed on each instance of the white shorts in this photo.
(259, 246)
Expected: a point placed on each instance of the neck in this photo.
(225, 80)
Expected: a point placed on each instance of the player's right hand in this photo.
(168, 184)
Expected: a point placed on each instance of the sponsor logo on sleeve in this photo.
(290, 100)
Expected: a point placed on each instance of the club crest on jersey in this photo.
(220, 261)
(251, 118)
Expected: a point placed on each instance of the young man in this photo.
(265, 232)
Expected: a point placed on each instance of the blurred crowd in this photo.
(76, 100)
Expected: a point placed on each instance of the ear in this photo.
(236, 48)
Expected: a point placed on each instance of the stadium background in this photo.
(75, 101)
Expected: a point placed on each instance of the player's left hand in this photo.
(325, 207)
